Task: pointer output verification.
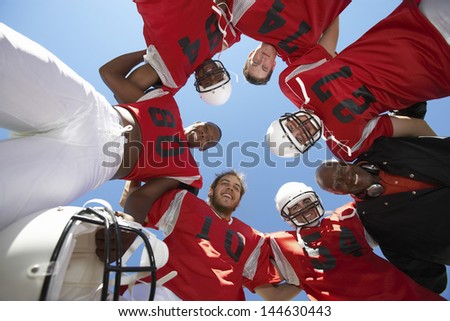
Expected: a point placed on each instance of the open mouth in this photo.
(309, 215)
(226, 195)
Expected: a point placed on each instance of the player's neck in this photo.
(224, 215)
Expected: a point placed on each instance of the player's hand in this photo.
(126, 238)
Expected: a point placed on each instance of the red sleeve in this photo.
(383, 128)
(159, 207)
(266, 272)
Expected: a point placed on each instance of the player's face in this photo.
(227, 193)
(342, 178)
(304, 211)
(301, 131)
(202, 135)
(208, 74)
(261, 61)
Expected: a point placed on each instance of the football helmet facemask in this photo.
(293, 134)
(51, 255)
(218, 93)
(298, 204)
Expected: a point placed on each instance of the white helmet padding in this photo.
(293, 193)
(50, 255)
(281, 140)
(218, 93)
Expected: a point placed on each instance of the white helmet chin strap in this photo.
(235, 74)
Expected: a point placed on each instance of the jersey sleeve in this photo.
(382, 128)
(163, 214)
(266, 272)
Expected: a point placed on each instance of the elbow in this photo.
(104, 72)
(138, 207)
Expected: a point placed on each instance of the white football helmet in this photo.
(50, 255)
(283, 142)
(298, 204)
(218, 93)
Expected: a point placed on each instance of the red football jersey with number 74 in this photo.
(183, 34)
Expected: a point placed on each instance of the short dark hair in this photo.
(254, 80)
(240, 176)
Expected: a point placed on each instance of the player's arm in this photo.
(144, 76)
(405, 126)
(277, 292)
(330, 36)
(130, 187)
(126, 86)
(139, 202)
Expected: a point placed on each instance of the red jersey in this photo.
(334, 261)
(213, 257)
(164, 149)
(291, 26)
(400, 61)
(181, 36)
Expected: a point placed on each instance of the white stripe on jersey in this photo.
(283, 265)
(168, 220)
(438, 13)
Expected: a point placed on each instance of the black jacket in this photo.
(412, 228)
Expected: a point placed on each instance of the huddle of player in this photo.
(341, 97)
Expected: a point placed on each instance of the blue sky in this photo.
(85, 34)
